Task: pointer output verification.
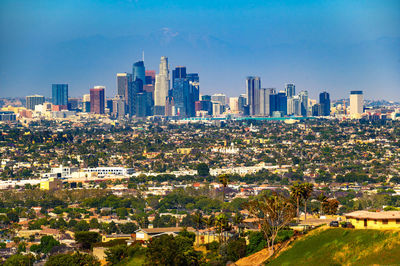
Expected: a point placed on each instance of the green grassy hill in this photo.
(337, 246)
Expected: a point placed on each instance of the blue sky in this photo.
(335, 46)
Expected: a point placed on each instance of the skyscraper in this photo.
(242, 102)
(303, 95)
(119, 107)
(59, 95)
(253, 85)
(180, 94)
(123, 80)
(161, 87)
(178, 73)
(264, 101)
(356, 102)
(325, 102)
(86, 103)
(277, 103)
(33, 100)
(139, 72)
(290, 90)
(97, 100)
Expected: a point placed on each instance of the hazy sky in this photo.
(335, 46)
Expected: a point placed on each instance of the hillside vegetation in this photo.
(337, 246)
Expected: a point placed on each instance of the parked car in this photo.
(347, 225)
(334, 224)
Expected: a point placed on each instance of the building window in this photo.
(397, 221)
(384, 221)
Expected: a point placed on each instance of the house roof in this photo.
(374, 215)
(164, 230)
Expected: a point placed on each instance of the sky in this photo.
(320, 45)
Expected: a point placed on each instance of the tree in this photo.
(198, 221)
(168, 250)
(237, 220)
(322, 198)
(128, 228)
(223, 179)
(210, 222)
(330, 206)
(203, 170)
(72, 259)
(81, 226)
(87, 239)
(307, 190)
(296, 192)
(47, 243)
(18, 259)
(273, 213)
(116, 254)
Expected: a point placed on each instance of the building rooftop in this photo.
(374, 215)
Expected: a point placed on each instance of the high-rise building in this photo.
(86, 103)
(253, 85)
(33, 100)
(118, 107)
(73, 103)
(180, 93)
(161, 87)
(264, 101)
(290, 90)
(143, 104)
(109, 106)
(150, 77)
(303, 96)
(178, 73)
(206, 97)
(219, 97)
(242, 103)
(325, 102)
(356, 102)
(277, 103)
(122, 83)
(59, 95)
(97, 100)
(234, 104)
(293, 106)
(139, 72)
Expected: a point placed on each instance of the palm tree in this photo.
(199, 221)
(210, 222)
(220, 224)
(296, 192)
(237, 220)
(321, 198)
(223, 179)
(307, 190)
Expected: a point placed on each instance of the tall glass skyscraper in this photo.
(139, 72)
(59, 94)
(325, 102)
(290, 90)
(97, 100)
(253, 86)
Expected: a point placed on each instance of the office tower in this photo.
(86, 103)
(293, 106)
(33, 100)
(219, 97)
(264, 101)
(150, 77)
(143, 104)
(303, 96)
(242, 102)
(161, 87)
(73, 103)
(97, 100)
(356, 102)
(194, 82)
(203, 106)
(290, 90)
(253, 85)
(122, 83)
(234, 104)
(325, 102)
(109, 106)
(118, 107)
(180, 93)
(169, 106)
(59, 95)
(217, 108)
(277, 103)
(178, 73)
(206, 97)
(317, 110)
(139, 73)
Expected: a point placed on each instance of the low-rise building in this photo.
(374, 220)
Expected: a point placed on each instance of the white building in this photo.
(234, 104)
(356, 103)
(161, 85)
(103, 171)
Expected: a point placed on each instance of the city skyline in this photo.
(309, 44)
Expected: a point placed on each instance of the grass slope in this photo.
(337, 246)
